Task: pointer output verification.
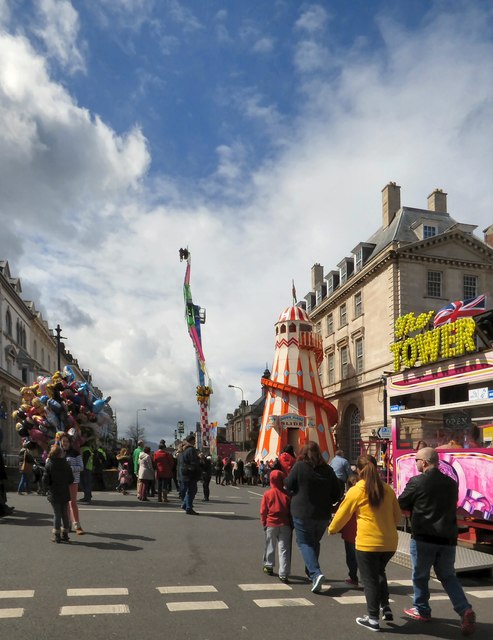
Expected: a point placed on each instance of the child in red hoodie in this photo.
(276, 519)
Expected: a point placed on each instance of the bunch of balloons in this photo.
(60, 403)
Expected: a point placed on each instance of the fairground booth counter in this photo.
(441, 395)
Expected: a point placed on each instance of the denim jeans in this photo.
(425, 555)
(24, 483)
(189, 491)
(309, 532)
(60, 515)
(372, 572)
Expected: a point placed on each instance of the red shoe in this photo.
(416, 615)
(468, 624)
(351, 582)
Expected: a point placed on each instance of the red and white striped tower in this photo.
(295, 409)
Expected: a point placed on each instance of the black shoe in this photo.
(369, 624)
(284, 579)
(269, 571)
(387, 613)
(191, 512)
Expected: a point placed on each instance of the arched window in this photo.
(292, 328)
(18, 334)
(283, 328)
(8, 323)
(354, 431)
(35, 349)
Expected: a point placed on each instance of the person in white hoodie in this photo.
(146, 473)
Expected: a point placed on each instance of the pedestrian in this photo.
(57, 479)
(342, 469)
(348, 534)
(431, 498)
(163, 463)
(218, 470)
(145, 473)
(5, 509)
(276, 520)
(315, 489)
(254, 473)
(87, 452)
(286, 460)
(124, 479)
(99, 462)
(377, 515)
(228, 472)
(190, 473)
(135, 457)
(26, 462)
(206, 467)
(74, 459)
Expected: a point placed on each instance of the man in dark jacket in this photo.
(191, 471)
(431, 497)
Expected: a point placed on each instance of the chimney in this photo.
(391, 203)
(437, 201)
(317, 275)
(488, 236)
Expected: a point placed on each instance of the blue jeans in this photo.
(425, 555)
(189, 491)
(24, 483)
(309, 532)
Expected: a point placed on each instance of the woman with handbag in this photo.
(26, 462)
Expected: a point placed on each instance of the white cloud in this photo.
(58, 28)
(310, 56)
(263, 45)
(313, 19)
(92, 234)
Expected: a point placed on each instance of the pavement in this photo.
(146, 570)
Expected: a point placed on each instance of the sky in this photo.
(257, 134)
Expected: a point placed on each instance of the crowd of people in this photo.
(305, 495)
(312, 498)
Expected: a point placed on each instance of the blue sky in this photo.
(258, 133)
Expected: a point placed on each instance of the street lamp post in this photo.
(233, 386)
(137, 422)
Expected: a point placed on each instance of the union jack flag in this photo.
(460, 309)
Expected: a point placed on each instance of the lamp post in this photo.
(233, 386)
(137, 423)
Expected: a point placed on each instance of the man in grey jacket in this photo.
(431, 498)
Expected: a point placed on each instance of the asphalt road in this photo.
(162, 573)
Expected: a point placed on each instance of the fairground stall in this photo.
(441, 395)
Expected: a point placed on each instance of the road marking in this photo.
(159, 511)
(400, 583)
(284, 602)
(11, 613)
(349, 599)
(98, 592)
(197, 606)
(94, 609)
(262, 586)
(481, 594)
(261, 495)
(204, 588)
(27, 593)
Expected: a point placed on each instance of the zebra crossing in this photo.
(263, 595)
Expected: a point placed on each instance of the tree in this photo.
(136, 433)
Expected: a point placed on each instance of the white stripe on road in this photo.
(400, 583)
(27, 593)
(481, 594)
(350, 599)
(98, 592)
(11, 613)
(204, 588)
(262, 586)
(160, 511)
(284, 602)
(197, 606)
(95, 609)
(261, 495)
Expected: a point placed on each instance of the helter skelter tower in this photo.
(295, 409)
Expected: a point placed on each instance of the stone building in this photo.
(242, 426)
(418, 260)
(28, 349)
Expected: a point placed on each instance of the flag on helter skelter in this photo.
(460, 309)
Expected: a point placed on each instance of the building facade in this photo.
(418, 260)
(28, 349)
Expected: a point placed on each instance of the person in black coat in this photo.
(315, 490)
(57, 479)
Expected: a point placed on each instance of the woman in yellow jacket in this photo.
(377, 514)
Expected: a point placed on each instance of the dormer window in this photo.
(332, 282)
(429, 231)
(346, 268)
